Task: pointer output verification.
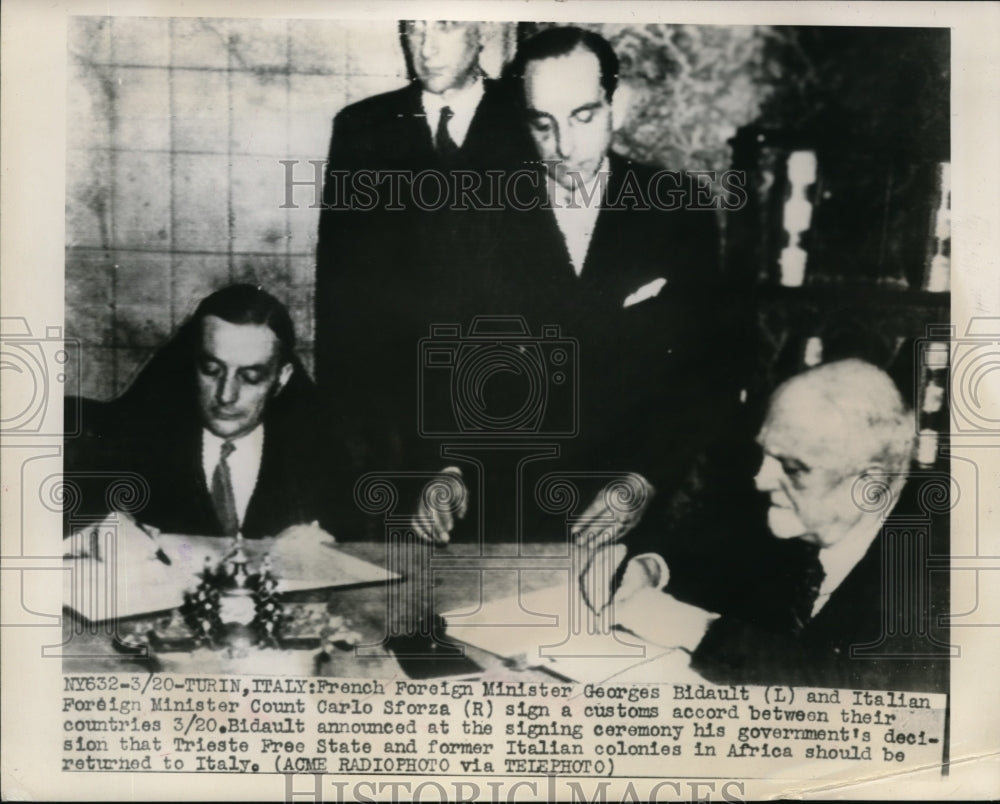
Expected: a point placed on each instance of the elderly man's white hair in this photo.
(854, 415)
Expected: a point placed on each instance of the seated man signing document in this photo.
(837, 442)
(220, 433)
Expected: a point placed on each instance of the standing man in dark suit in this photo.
(601, 233)
(824, 604)
(449, 115)
(224, 427)
(609, 250)
(396, 253)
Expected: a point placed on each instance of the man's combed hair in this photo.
(873, 422)
(561, 41)
(250, 304)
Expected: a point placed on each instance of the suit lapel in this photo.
(260, 505)
(607, 256)
(483, 121)
(853, 602)
(276, 501)
(553, 272)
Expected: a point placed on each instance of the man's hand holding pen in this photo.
(139, 542)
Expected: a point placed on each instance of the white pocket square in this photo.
(647, 291)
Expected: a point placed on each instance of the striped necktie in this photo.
(222, 492)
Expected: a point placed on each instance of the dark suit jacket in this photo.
(861, 638)
(152, 431)
(289, 488)
(654, 378)
(383, 276)
(634, 242)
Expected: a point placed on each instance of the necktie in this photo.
(222, 492)
(810, 580)
(443, 142)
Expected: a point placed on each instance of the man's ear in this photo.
(876, 488)
(284, 375)
(876, 471)
(621, 104)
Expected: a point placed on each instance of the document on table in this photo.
(552, 629)
(117, 573)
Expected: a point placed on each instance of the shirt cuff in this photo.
(655, 567)
(661, 619)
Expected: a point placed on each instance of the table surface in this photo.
(439, 579)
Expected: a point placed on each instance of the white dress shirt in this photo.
(244, 464)
(644, 607)
(463, 104)
(575, 217)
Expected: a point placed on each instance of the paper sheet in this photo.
(552, 629)
(121, 577)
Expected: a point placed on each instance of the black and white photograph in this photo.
(592, 399)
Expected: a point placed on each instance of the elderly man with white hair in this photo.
(837, 443)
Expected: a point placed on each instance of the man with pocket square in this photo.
(606, 249)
